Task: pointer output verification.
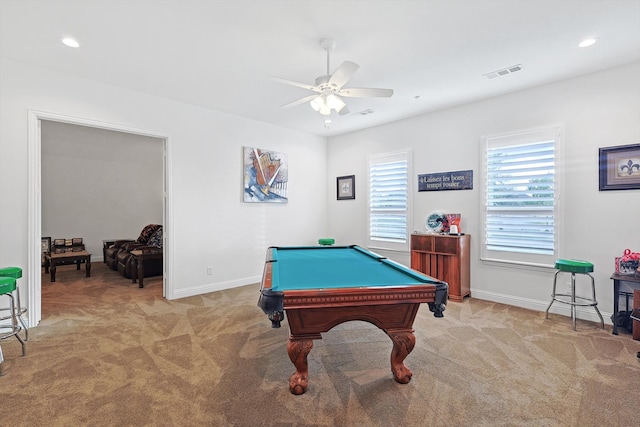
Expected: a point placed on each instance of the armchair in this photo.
(152, 267)
(111, 253)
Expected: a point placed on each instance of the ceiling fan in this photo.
(330, 87)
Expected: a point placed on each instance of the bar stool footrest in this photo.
(588, 302)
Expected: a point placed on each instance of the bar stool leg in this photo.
(595, 301)
(15, 331)
(574, 310)
(21, 310)
(553, 293)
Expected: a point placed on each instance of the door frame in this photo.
(34, 225)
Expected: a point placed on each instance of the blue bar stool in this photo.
(574, 267)
(7, 287)
(16, 273)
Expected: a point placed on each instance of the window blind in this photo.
(520, 198)
(388, 195)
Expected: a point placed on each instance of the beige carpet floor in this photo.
(110, 354)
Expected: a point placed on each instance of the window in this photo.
(520, 209)
(389, 201)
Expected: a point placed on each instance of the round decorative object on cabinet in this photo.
(434, 222)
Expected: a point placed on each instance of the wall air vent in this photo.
(504, 71)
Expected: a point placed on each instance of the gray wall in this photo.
(99, 184)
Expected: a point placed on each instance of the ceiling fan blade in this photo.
(364, 92)
(343, 74)
(297, 84)
(299, 101)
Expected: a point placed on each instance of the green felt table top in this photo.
(316, 267)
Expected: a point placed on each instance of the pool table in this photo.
(320, 287)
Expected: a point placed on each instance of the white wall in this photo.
(597, 110)
(99, 184)
(210, 225)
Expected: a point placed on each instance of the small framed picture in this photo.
(346, 187)
(620, 167)
(45, 247)
(67, 242)
(76, 241)
(58, 242)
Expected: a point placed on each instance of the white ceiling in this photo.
(220, 54)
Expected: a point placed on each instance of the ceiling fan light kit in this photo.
(330, 87)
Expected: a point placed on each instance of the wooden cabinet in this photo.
(445, 258)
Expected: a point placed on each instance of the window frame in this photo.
(508, 139)
(400, 155)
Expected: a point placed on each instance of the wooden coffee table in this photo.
(51, 260)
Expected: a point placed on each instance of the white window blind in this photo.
(520, 209)
(388, 200)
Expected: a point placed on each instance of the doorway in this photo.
(36, 120)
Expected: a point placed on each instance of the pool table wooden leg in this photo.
(403, 343)
(298, 351)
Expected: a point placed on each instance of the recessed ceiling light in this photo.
(70, 42)
(587, 42)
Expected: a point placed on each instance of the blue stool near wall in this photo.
(16, 273)
(574, 267)
(7, 287)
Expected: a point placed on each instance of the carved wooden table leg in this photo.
(403, 343)
(298, 351)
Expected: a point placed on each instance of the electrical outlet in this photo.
(209, 271)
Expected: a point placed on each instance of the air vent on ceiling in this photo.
(365, 112)
(504, 71)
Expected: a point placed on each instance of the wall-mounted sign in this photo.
(458, 180)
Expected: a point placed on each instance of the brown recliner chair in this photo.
(112, 252)
(152, 267)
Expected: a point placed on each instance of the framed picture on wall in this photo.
(346, 187)
(266, 176)
(620, 167)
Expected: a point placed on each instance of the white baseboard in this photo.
(585, 313)
(213, 287)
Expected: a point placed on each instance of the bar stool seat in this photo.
(16, 273)
(7, 287)
(574, 267)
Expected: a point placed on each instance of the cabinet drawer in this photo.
(446, 245)
(422, 243)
